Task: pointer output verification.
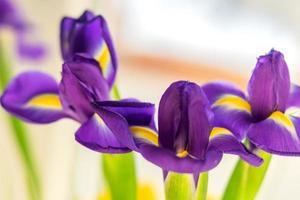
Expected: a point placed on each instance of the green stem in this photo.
(21, 136)
(201, 192)
(119, 170)
(179, 186)
(246, 180)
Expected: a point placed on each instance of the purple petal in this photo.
(89, 35)
(294, 97)
(278, 134)
(30, 50)
(11, 16)
(269, 85)
(82, 84)
(229, 144)
(136, 113)
(118, 126)
(215, 90)
(184, 119)
(168, 161)
(231, 109)
(33, 96)
(95, 135)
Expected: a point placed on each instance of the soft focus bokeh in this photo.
(158, 42)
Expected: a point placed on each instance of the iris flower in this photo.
(89, 34)
(38, 98)
(186, 141)
(269, 115)
(10, 16)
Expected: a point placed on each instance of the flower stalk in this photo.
(179, 186)
(201, 192)
(119, 169)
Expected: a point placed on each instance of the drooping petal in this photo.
(89, 35)
(278, 134)
(118, 126)
(33, 96)
(95, 135)
(184, 119)
(224, 141)
(230, 108)
(269, 85)
(168, 161)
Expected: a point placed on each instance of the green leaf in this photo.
(201, 192)
(246, 180)
(179, 186)
(21, 137)
(119, 172)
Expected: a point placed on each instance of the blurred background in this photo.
(158, 42)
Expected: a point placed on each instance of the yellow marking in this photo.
(104, 58)
(99, 119)
(293, 111)
(233, 102)
(45, 100)
(283, 120)
(144, 133)
(182, 154)
(219, 131)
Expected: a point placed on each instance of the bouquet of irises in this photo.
(196, 124)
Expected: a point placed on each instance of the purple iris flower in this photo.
(11, 17)
(38, 98)
(186, 141)
(269, 115)
(89, 34)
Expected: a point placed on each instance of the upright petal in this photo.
(184, 119)
(224, 141)
(89, 35)
(230, 107)
(278, 134)
(82, 84)
(33, 96)
(269, 85)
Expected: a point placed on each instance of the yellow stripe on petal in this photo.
(145, 134)
(233, 102)
(219, 131)
(46, 100)
(104, 58)
(284, 121)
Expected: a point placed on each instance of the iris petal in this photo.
(269, 85)
(231, 109)
(82, 83)
(89, 35)
(224, 141)
(95, 135)
(278, 134)
(184, 119)
(168, 161)
(33, 96)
